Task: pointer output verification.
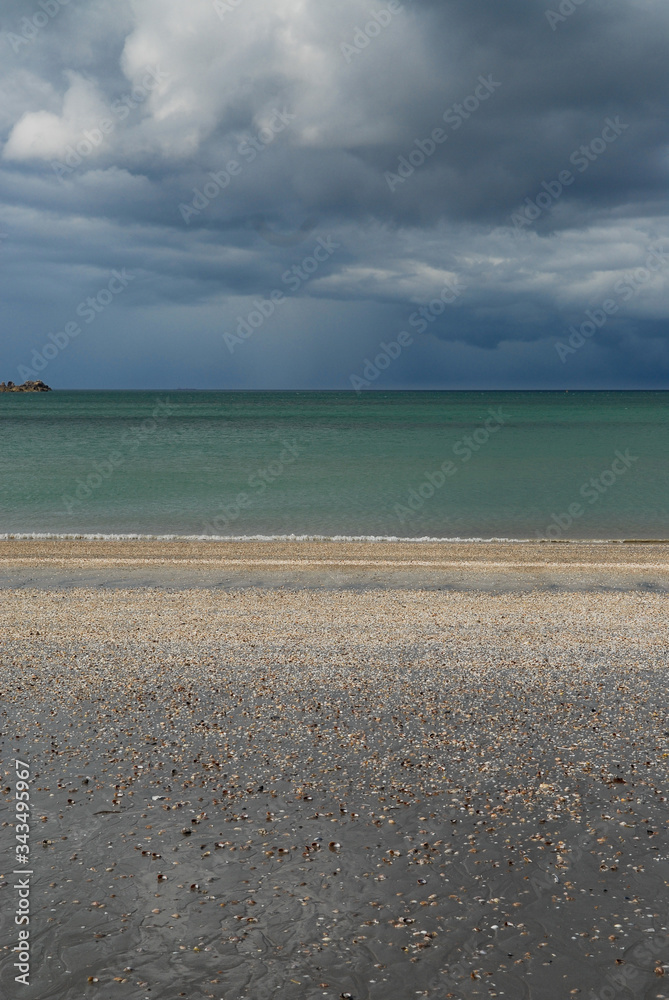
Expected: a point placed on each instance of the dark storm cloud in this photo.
(520, 147)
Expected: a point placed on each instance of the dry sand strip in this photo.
(481, 565)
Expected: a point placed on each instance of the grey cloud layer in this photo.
(522, 151)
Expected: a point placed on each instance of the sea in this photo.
(376, 465)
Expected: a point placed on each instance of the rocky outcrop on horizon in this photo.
(37, 386)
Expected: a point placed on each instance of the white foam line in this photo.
(46, 536)
(92, 537)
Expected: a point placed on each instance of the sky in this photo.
(367, 194)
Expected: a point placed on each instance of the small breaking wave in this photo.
(130, 537)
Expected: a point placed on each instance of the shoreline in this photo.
(82, 536)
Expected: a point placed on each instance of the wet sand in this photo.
(478, 566)
(326, 787)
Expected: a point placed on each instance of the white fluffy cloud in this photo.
(44, 135)
(224, 70)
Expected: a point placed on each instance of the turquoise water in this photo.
(386, 464)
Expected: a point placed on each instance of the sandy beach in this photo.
(467, 565)
(321, 770)
(334, 500)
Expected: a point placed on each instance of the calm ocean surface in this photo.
(395, 464)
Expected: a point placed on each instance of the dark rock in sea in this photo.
(37, 386)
